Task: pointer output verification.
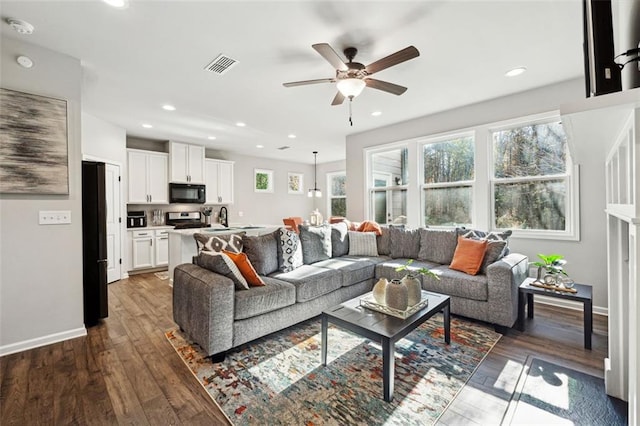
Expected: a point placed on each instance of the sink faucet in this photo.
(223, 217)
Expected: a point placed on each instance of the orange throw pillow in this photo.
(370, 226)
(468, 255)
(246, 268)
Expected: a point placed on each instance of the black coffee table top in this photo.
(382, 324)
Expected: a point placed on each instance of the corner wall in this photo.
(41, 266)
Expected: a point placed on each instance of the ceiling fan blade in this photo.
(338, 100)
(305, 82)
(393, 59)
(385, 86)
(331, 56)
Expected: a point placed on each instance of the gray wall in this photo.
(41, 266)
(587, 257)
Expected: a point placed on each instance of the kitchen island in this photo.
(182, 245)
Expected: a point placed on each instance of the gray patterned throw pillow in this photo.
(217, 243)
(290, 253)
(362, 244)
(222, 264)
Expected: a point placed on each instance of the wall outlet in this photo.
(240, 214)
(54, 217)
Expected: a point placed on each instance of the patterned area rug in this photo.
(550, 394)
(278, 379)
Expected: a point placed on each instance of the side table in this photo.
(584, 295)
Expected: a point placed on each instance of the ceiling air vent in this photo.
(282, 148)
(221, 64)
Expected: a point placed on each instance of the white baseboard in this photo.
(567, 304)
(42, 341)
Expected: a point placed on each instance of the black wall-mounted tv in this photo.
(602, 74)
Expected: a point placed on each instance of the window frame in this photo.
(571, 178)
(445, 137)
(330, 195)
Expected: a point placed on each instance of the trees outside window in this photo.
(531, 177)
(337, 199)
(448, 178)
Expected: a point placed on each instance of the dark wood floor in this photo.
(126, 372)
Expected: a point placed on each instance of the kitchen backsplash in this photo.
(162, 209)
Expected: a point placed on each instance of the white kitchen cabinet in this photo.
(187, 163)
(148, 177)
(162, 248)
(142, 249)
(219, 181)
(149, 248)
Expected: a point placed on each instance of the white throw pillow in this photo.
(362, 244)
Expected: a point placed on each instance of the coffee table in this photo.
(384, 328)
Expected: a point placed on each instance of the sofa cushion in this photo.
(339, 239)
(275, 294)
(457, 284)
(353, 269)
(246, 268)
(311, 281)
(221, 264)
(384, 239)
(217, 243)
(405, 243)
(290, 251)
(437, 245)
(316, 243)
(263, 251)
(469, 255)
(362, 244)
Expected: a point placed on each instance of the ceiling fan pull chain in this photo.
(350, 120)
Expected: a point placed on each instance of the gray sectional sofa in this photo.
(325, 266)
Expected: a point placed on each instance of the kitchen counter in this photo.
(182, 245)
(151, 228)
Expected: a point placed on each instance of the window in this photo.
(532, 180)
(337, 199)
(387, 185)
(448, 177)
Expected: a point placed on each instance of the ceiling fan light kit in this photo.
(352, 77)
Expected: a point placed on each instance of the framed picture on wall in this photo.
(33, 137)
(262, 180)
(295, 183)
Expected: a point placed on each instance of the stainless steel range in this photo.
(185, 220)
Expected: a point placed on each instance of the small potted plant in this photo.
(413, 283)
(553, 264)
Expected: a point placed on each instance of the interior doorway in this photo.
(114, 253)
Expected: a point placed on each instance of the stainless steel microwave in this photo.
(187, 193)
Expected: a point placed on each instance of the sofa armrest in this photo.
(203, 304)
(504, 277)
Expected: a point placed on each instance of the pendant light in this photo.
(315, 192)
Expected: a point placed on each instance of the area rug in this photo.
(550, 394)
(278, 379)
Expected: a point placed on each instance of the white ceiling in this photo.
(152, 53)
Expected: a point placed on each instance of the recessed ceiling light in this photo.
(240, 124)
(292, 136)
(259, 146)
(23, 27)
(212, 138)
(147, 125)
(168, 107)
(120, 4)
(24, 61)
(514, 72)
(376, 113)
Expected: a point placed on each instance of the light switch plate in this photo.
(54, 217)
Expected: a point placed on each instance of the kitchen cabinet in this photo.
(219, 181)
(148, 177)
(187, 162)
(149, 248)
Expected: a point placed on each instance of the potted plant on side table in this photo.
(553, 264)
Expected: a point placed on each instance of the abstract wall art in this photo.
(33, 144)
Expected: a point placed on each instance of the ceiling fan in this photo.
(352, 77)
